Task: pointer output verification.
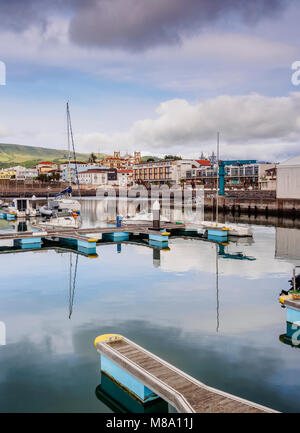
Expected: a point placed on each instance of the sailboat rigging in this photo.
(63, 206)
(217, 194)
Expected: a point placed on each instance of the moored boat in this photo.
(233, 229)
(63, 203)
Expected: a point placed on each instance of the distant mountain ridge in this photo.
(17, 153)
(29, 156)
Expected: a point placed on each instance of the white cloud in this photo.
(250, 126)
(211, 63)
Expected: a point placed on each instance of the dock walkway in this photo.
(80, 233)
(182, 391)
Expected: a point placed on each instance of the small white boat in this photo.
(58, 206)
(61, 221)
(233, 229)
(70, 204)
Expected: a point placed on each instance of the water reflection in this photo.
(119, 401)
(224, 333)
(97, 212)
(72, 283)
(288, 244)
(292, 335)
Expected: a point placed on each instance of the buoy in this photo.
(284, 298)
(107, 338)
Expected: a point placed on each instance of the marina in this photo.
(190, 323)
(150, 210)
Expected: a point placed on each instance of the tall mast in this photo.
(217, 287)
(69, 147)
(217, 198)
(71, 139)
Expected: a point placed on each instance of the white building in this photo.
(288, 179)
(70, 169)
(92, 177)
(125, 177)
(267, 177)
(20, 173)
(96, 176)
(23, 173)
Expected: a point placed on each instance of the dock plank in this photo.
(184, 392)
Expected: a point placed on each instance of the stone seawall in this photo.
(262, 206)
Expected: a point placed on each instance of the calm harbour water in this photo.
(225, 336)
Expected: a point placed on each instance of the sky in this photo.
(160, 77)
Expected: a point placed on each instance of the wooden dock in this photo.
(82, 233)
(182, 391)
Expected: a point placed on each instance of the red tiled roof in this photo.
(203, 161)
(46, 162)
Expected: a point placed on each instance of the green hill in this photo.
(14, 154)
(30, 156)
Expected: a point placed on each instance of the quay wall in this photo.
(254, 206)
(237, 202)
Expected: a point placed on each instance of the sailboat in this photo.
(63, 205)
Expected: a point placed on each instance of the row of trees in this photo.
(44, 177)
(172, 157)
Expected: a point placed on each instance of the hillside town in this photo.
(128, 170)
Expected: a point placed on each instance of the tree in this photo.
(92, 158)
(43, 177)
(174, 157)
(54, 176)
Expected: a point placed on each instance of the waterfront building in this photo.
(98, 176)
(125, 177)
(288, 179)
(267, 177)
(45, 167)
(18, 172)
(163, 171)
(199, 170)
(69, 170)
(239, 173)
(8, 173)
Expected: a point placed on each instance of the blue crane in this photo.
(222, 165)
